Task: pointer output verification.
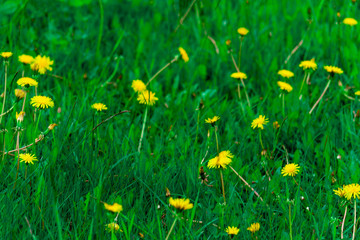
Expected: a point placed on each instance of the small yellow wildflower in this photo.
(112, 227)
(52, 126)
(20, 116)
(308, 64)
(27, 158)
(254, 227)
(285, 73)
(147, 97)
(113, 208)
(350, 21)
(340, 191)
(99, 106)
(26, 81)
(285, 86)
(221, 161)
(41, 102)
(232, 230)
(6, 55)
(276, 125)
(239, 75)
(138, 86)
(228, 42)
(259, 122)
(181, 204)
(41, 64)
(19, 93)
(357, 93)
(243, 31)
(26, 59)
(333, 70)
(352, 191)
(212, 120)
(184, 54)
(290, 170)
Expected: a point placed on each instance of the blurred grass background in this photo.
(99, 47)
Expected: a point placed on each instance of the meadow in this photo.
(172, 119)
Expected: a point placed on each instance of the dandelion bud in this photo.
(19, 93)
(52, 126)
(228, 42)
(20, 116)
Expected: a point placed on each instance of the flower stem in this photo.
(262, 146)
(354, 228)
(172, 227)
(18, 157)
(217, 142)
(241, 40)
(290, 222)
(302, 85)
(283, 104)
(317, 102)
(343, 222)
(143, 129)
(4, 99)
(242, 81)
(239, 94)
(222, 184)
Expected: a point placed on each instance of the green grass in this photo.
(114, 42)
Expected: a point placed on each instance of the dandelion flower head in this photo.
(41, 64)
(113, 208)
(41, 102)
(112, 227)
(99, 106)
(212, 120)
(285, 86)
(138, 86)
(357, 93)
(181, 204)
(147, 97)
(183, 54)
(20, 116)
(333, 70)
(221, 161)
(6, 54)
(285, 73)
(340, 191)
(254, 227)
(243, 31)
(26, 81)
(290, 170)
(352, 191)
(26, 59)
(27, 158)
(239, 75)
(259, 122)
(232, 230)
(350, 21)
(308, 64)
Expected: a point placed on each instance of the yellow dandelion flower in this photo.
(308, 64)
(147, 97)
(221, 161)
(212, 120)
(20, 116)
(285, 86)
(26, 59)
(27, 158)
(232, 230)
(333, 70)
(41, 64)
(352, 191)
(243, 31)
(113, 208)
(112, 227)
(6, 54)
(254, 227)
(259, 122)
(99, 106)
(340, 192)
(19, 93)
(26, 81)
(276, 125)
(357, 93)
(184, 54)
(138, 86)
(290, 170)
(181, 204)
(350, 21)
(41, 102)
(239, 75)
(285, 73)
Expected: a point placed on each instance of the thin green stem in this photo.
(143, 129)
(354, 228)
(302, 84)
(241, 40)
(101, 26)
(290, 222)
(262, 146)
(283, 104)
(4, 99)
(197, 126)
(239, 94)
(172, 227)
(222, 184)
(343, 222)
(217, 141)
